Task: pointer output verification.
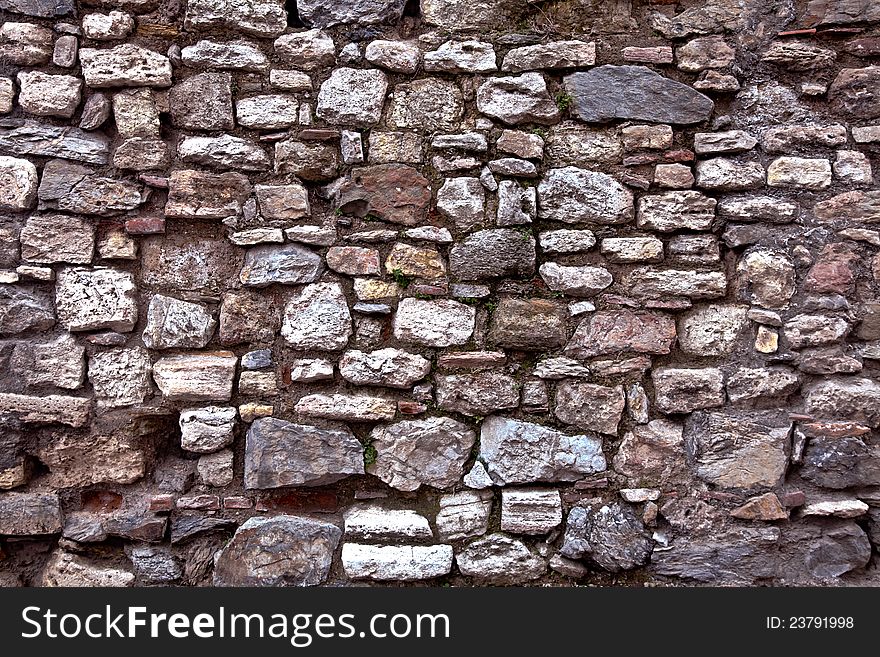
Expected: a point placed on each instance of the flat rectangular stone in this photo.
(525, 511)
(396, 562)
(73, 411)
(471, 359)
(196, 377)
(69, 143)
(29, 514)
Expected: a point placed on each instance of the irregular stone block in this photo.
(476, 394)
(317, 317)
(389, 367)
(29, 514)
(203, 102)
(493, 253)
(262, 18)
(391, 192)
(527, 511)
(72, 411)
(574, 195)
(373, 522)
(126, 65)
(352, 97)
(516, 100)
(120, 377)
(18, 184)
(199, 195)
(682, 390)
(437, 323)
(208, 429)
(100, 298)
(196, 377)
(590, 406)
(351, 408)
(463, 515)
(69, 143)
(427, 105)
(173, 323)
(612, 332)
(611, 535)
(499, 559)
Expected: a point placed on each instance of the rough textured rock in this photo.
(289, 264)
(463, 515)
(634, 92)
(280, 453)
(68, 569)
(526, 511)
(120, 377)
(607, 332)
(197, 377)
(390, 367)
(29, 514)
(517, 452)
(415, 453)
(278, 551)
(574, 195)
(476, 394)
(590, 406)
(682, 390)
(652, 454)
(492, 253)
(352, 97)
(126, 65)
(612, 536)
(317, 317)
(711, 330)
(499, 559)
(208, 429)
(88, 299)
(391, 192)
(53, 238)
(173, 323)
(515, 100)
(439, 323)
(528, 324)
(396, 562)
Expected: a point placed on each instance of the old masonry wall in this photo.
(441, 292)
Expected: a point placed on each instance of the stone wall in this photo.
(454, 292)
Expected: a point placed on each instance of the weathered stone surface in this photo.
(39, 139)
(320, 14)
(126, 65)
(556, 54)
(430, 105)
(652, 283)
(280, 453)
(352, 97)
(173, 323)
(68, 569)
(476, 394)
(674, 210)
(246, 317)
(574, 195)
(530, 511)
(493, 253)
(289, 264)
(755, 383)
(724, 174)
(462, 200)
(18, 184)
(120, 377)
(396, 562)
(566, 241)
(48, 239)
(88, 299)
(59, 362)
(575, 281)
(463, 515)
(854, 92)
(75, 461)
(208, 429)
(461, 57)
(196, 377)
(840, 462)
(439, 323)
(515, 100)
(517, 452)
(351, 408)
(203, 102)
(414, 453)
(317, 317)
(231, 55)
(853, 399)
(373, 522)
(761, 507)
(682, 390)
(73, 188)
(314, 161)
(283, 202)
(195, 194)
(415, 261)
(25, 44)
(49, 95)
(262, 18)
(652, 454)
(738, 450)
(711, 330)
(353, 260)
(590, 406)
(611, 535)
(29, 514)
(389, 367)
(307, 50)
(267, 112)
(806, 330)
(632, 249)
(278, 551)
(499, 559)
(391, 192)
(528, 324)
(397, 56)
(704, 53)
(111, 26)
(223, 152)
(637, 93)
(72, 411)
(804, 173)
(767, 278)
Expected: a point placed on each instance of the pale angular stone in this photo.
(199, 195)
(223, 152)
(574, 144)
(758, 208)
(173, 323)
(100, 298)
(675, 210)
(120, 377)
(350, 408)
(203, 102)
(516, 100)
(517, 452)
(49, 239)
(25, 44)
(208, 429)
(798, 56)
(414, 453)
(462, 200)
(397, 56)
(107, 27)
(317, 317)
(476, 394)
(99, 459)
(556, 54)
(528, 324)
(682, 390)
(388, 367)
(463, 515)
(438, 323)
(847, 508)
(499, 559)
(853, 167)
(309, 50)
(530, 511)
(767, 278)
(18, 184)
(267, 112)
(724, 174)
(590, 406)
(711, 330)
(72, 411)
(785, 139)
(196, 377)
(50, 141)
(59, 362)
(280, 453)
(461, 57)
(799, 172)
(288, 264)
(653, 283)
(65, 569)
(7, 93)
(290, 80)
(386, 147)
(427, 105)
(373, 522)
(216, 469)
(49, 95)
(396, 562)
(352, 97)
(704, 53)
(632, 249)
(575, 281)
(278, 551)
(574, 195)
(724, 142)
(755, 383)
(283, 201)
(231, 55)
(567, 241)
(126, 65)
(415, 261)
(262, 18)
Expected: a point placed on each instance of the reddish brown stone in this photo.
(391, 192)
(429, 290)
(613, 332)
(302, 501)
(472, 359)
(833, 429)
(145, 225)
(319, 134)
(794, 498)
(161, 503)
(864, 47)
(833, 272)
(100, 501)
(762, 507)
(201, 502)
(682, 155)
(875, 268)
(237, 502)
(159, 182)
(411, 407)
